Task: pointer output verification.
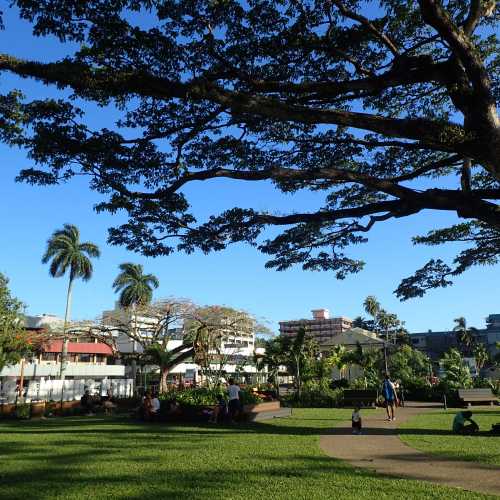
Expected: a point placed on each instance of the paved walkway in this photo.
(380, 449)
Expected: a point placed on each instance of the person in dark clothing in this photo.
(459, 425)
(87, 403)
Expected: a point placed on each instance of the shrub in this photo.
(316, 394)
(204, 396)
(341, 383)
(23, 411)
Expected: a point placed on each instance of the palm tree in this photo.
(135, 287)
(372, 306)
(298, 351)
(481, 355)
(465, 335)
(338, 358)
(381, 319)
(66, 253)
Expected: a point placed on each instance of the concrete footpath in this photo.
(380, 449)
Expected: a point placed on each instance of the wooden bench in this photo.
(470, 396)
(362, 397)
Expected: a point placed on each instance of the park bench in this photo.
(362, 397)
(470, 396)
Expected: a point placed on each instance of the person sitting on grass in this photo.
(87, 403)
(174, 408)
(108, 405)
(147, 406)
(219, 412)
(356, 421)
(155, 405)
(459, 426)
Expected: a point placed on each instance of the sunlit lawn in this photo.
(431, 433)
(112, 458)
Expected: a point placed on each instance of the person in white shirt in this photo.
(356, 421)
(155, 405)
(234, 399)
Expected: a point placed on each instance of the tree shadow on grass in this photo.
(76, 480)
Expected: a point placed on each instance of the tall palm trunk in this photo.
(64, 351)
(134, 361)
(164, 371)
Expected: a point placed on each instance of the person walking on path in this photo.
(390, 397)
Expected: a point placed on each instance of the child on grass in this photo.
(356, 421)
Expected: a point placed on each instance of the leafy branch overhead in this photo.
(383, 111)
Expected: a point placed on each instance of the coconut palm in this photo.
(465, 335)
(67, 254)
(135, 287)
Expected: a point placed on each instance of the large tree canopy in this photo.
(385, 109)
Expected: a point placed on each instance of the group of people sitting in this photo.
(227, 409)
(90, 403)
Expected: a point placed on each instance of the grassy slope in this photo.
(107, 458)
(431, 433)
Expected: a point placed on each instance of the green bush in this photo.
(316, 394)
(23, 411)
(204, 396)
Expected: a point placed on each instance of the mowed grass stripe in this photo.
(77, 458)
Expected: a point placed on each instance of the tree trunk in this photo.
(134, 361)
(134, 374)
(297, 375)
(164, 371)
(64, 351)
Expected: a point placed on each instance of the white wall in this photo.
(72, 370)
(67, 390)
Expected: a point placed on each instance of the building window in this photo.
(49, 356)
(84, 358)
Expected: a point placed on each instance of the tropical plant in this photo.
(210, 330)
(338, 358)
(14, 341)
(370, 360)
(386, 324)
(360, 322)
(135, 287)
(481, 355)
(382, 109)
(466, 336)
(411, 367)
(274, 356)
(150, 326)
(297, 355)
(456, 372)
(316, 394)
(67, 254)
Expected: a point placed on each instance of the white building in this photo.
(86, 358)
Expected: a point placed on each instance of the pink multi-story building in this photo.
(321, 327)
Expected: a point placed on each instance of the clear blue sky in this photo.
(235, 277)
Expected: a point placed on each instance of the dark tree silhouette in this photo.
(385, 111)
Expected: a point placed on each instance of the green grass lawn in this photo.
(431, 433)
(111, 458)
